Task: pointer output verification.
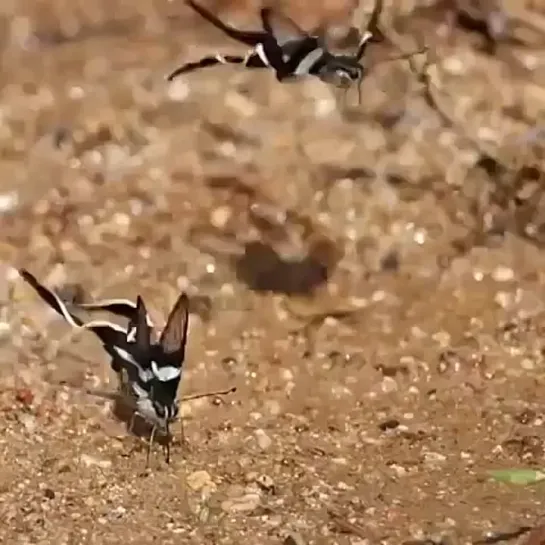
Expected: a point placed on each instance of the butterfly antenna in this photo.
(405, 56)
(360, 83)
(210, 394)
(150, 445)
(182, 432)
(167, 444)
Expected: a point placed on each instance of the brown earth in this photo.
(370, 281)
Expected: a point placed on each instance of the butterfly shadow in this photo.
(261, 268)
(136, 425)
(258, 263)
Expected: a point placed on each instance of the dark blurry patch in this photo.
(222, 132)
(61, 135)
(234, 183)
(337, 172)
(484, 23)
(390, 424)
(258, 263)
(342, 524)
(390, 262)
(139, 428)
(528, 448)
(262, 269)
(202, 306)
(72, 294)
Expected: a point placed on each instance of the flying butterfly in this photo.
(290, 51)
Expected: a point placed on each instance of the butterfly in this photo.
(289, 50)
(149, 372)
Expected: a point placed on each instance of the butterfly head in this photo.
(343, 72)
(165, 413)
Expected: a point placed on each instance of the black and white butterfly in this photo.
(149, 371)
(289, 50)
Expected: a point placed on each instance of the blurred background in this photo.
(368, 276)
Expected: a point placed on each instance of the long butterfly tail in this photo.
(138, 330)
(51, 298)
(247, 37)
(206, 62)
(109, 334)
(120, 307)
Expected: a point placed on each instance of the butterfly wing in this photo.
(287, 44)
(174, 336)
(139, 330)
(120, 307)
(167, 359)
(247, 37)
(112, 336)
(51, 298)
(281, 27)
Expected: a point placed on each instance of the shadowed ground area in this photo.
(370, 278)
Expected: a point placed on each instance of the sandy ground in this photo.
(370, 281)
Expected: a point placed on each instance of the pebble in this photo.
(503, 274)
(200, 480)
(294, 538)
(29, 422)
(265, 483)
(388, 385)
(178, 90)
(434, 457)
(243, 504)
(263, 440)
(527, 364)
(272, 407)
(8, 201)
(220, 216)
(90, 461)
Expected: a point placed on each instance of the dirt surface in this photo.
(371, 280)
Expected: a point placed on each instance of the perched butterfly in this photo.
(149, 372)
(289, 50)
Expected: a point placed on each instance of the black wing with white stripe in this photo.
(266, 48)
(138, 330)
(120, 307)
(248, 37)
(281, 27)
(112, 336)
(108, 333)
(174, 336)
(250, 61)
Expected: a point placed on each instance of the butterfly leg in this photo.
(167, 446)
(360, 81)
(150, 445)
(131, 422)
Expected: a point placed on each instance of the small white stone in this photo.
(503, 274)
(90, 461)
(527, 363)
(263, 440)
(220, 216)
(243, 504)
(198, 480)
(178, 90)
(388, 385)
